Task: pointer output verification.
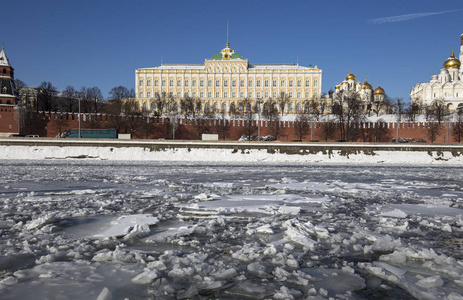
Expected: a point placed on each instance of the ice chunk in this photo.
(431, 282)
(289, 210)
(396, 213)
(105, 294)
(41, 221)
(147, 277)
(126, 224)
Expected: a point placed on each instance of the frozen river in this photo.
(73, 229)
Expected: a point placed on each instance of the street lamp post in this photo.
(258, 120)
(79, 119)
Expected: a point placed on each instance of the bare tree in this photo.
(347, 108)
(302, 125)
(380, 132)
(283, 101)
(458, 128)
(223, 125)
(432, 131)
(246, 112)
(46, 97)
(69, 97)
(437, 111)
(327, 130)
(60, 123)
(270, 113)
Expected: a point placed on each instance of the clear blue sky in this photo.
(101, 43)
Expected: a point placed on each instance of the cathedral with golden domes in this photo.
(365, 90)
(446, 86)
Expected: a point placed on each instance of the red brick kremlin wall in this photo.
(46, 125)
(8, 123)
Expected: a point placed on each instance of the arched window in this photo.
(224, 107)
(216, 107)
(290, 107)
(298, 108)
(207, 108)
(145, 106)
(225, 82)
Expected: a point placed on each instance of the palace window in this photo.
(307, 82)
(307, 95)
(140, 95)
(209, 94)
(250, 94)
(201, 94)
(290, 82)
(163, 82)
(179, 94)
(217, 82)
(315, 82)
(258, 94)
(163, 94)
(241, 94)
(250, 82)
(224, 107)
(298, 108)
(185, 94)
(258, 82)
(179, 82)
(171, 94)
(266, 82)
(156, 94)
(171, 82)
(156, 82)
(282, 82)
(193, 82)
(201, 82)
(290, 95)
(225, 94)
(186, 82)
(274, 94)
(148, 82)
(290, 107)
(140, 82)
(242, 82)
(225, 82)
(216, 107)
(148, 94)
(298, 95)
(233, 94)
(193, 94)
(209, 82)
(217, 94)
(298, 82)
(233, 82)
(274, 83)
(266, 95)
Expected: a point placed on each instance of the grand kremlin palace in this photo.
(224, 80)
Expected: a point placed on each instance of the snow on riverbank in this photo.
(226, 155)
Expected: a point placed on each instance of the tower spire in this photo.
(228, 44)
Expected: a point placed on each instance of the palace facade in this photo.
(446, 86)
(225, 79)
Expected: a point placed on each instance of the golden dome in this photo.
(452, 62)
(379, 91)
(350, 76)
(366, 86)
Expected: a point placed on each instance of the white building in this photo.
(365, 90)
(446, 86)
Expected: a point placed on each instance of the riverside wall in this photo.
(51, 124)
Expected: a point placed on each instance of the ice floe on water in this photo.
(120, 230)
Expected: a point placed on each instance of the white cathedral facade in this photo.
(446, 86)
